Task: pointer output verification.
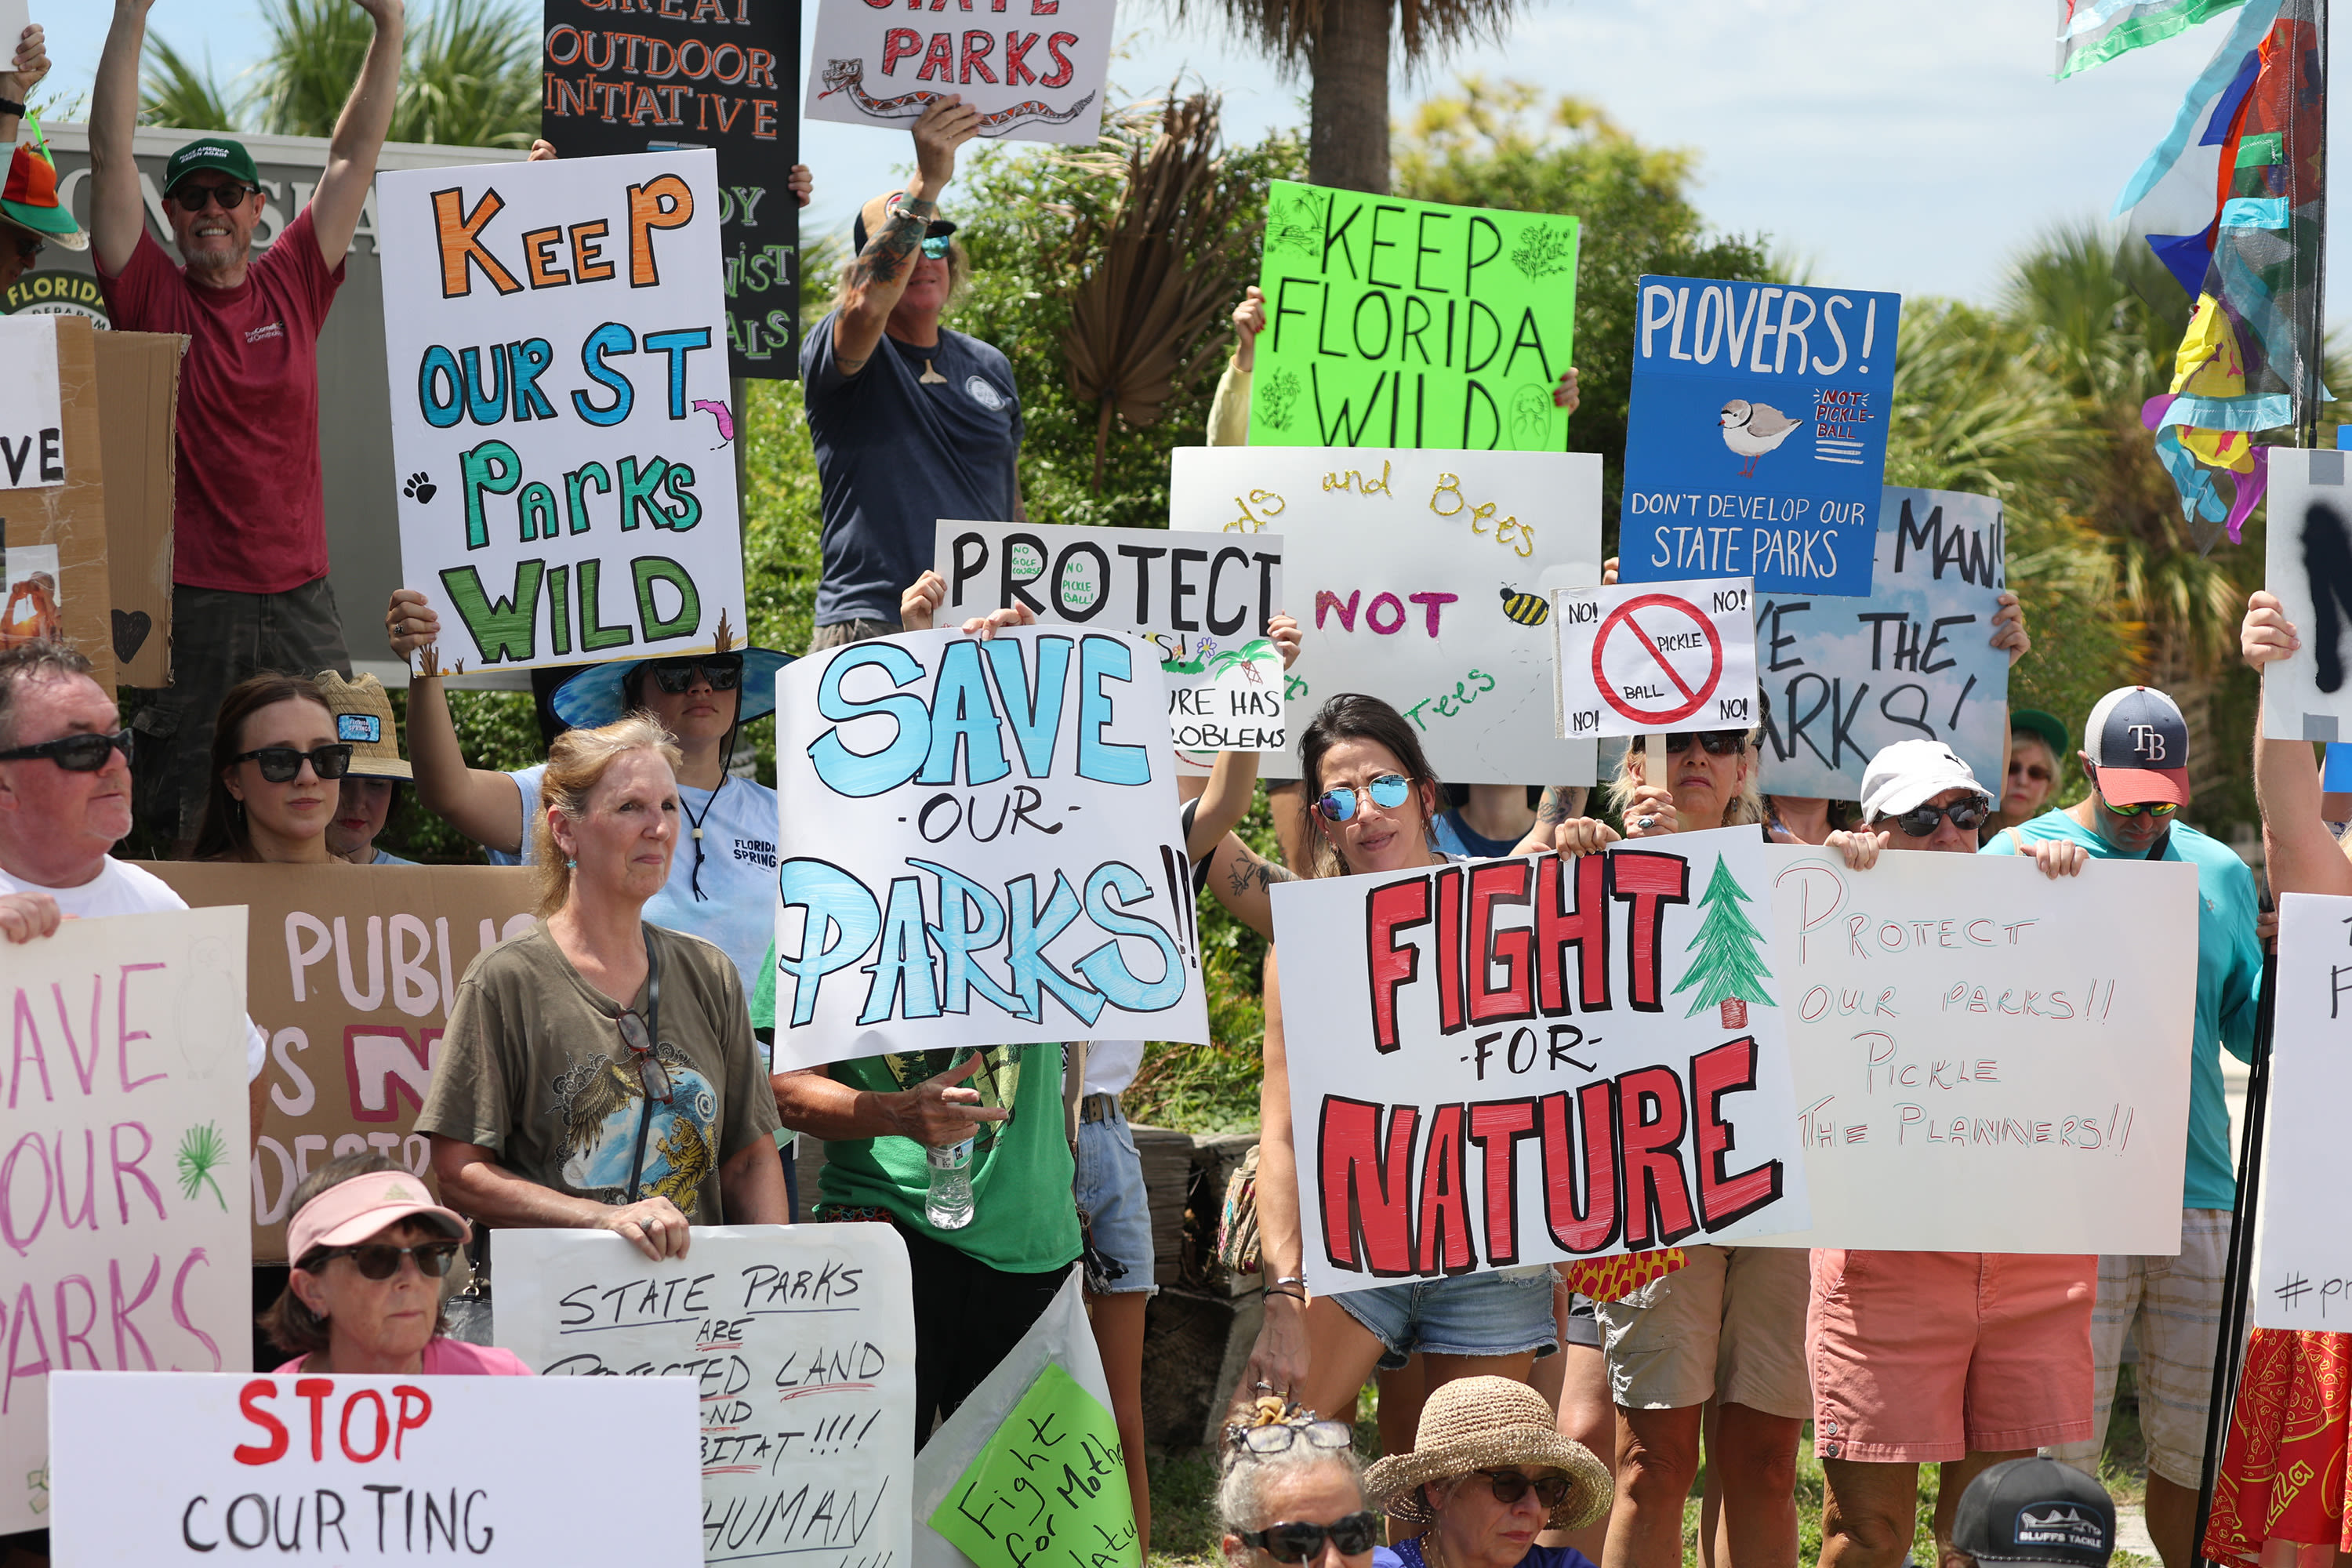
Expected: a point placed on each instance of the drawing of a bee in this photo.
(1528, 609)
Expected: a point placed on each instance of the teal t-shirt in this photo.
(2229, 980)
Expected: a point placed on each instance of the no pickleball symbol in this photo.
(1661, 667)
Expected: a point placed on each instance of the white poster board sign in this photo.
(2307, 696)
(123, 1189)
(556, 340)
(211, 1468)
(801, 1343)
(1423, 578)
(31, 408)
(1200, 600)
(1519, 1062)
(2302, 1251)
(1035, 70)
(979, 845)
(1649, 658)
(1988, 1060)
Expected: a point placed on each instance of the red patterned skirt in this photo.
(2284, 1469)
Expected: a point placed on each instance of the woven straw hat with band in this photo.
(362, 713)
(1482, 1424)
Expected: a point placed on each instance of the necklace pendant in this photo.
(697, 834)
(930, 377)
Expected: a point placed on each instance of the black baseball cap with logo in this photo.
(2035, 1511)
(210, 153)
(2138, 742)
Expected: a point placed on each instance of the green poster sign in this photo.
(1397, 323)
(1049, 1487)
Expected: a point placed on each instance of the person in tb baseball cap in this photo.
(2035, 1511)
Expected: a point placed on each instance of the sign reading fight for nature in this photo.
(1051, 1485)
(1034, 69)
(123, 1110)
(979, 845)
(1914, 661)
(32, 410)
(2305, 696)
(1988, 1059)
(557, 347)
(1757, 439)
(1200, 600)
(352, 973)
(210, 1468)
(1423, 578)
(1656, 657)
(2302, 1256)
(1515, 1062)
(800, 1346)
(1399, 324)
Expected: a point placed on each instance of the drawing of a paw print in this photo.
(420, 489)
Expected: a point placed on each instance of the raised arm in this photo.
(2303, 856)
(484, 806)
(28, 62)
(359, 135)
(117, 214)
(883, 267)
(1239, 877)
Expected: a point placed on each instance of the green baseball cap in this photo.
(210, 153)
(2048, 726)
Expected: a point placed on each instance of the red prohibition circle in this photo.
(1696, 699)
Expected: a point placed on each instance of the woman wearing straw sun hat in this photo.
(1486, 1475)
(373, 778)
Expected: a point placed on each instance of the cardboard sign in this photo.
(138, 404)
(2306, 696)
(353, 968)
(979, 845)
(720, 78)
(1987, 1059)
(1914, 661)
(1423, 578)
(1401, 323)
(1656, 657)
(364, 1469)
(1052, 1476)
(32, 416)
(121, 1193)
(554, 335)
(68, 519)
(1200, 600)
(801, 1343)
(1604, 1071)
(1757, 438)
(2302, 1259)
(1035, 72)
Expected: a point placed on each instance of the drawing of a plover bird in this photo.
(1752, 430)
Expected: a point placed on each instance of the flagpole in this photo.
(2308, 427)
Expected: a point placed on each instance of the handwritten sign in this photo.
(481, 1470)
(1914, 661)
(2302, 1259)
(1988, 1060)
(1655, 658)
(562, 430)
(1423, 578)
(980, 848)
(1200, 600)
(1604, 1071)
(1051, 1484)
(1035, 72)
(32, 409)
(121, 1191)
(801, 1343)
(1401, 323)
(2307, 695)
(1757, 437)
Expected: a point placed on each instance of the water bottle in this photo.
(948, 1205)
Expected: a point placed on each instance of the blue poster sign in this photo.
(1757, 441)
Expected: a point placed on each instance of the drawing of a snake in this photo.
(849, 76)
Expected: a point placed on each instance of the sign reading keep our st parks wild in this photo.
(1401, 323)
(1757, 439)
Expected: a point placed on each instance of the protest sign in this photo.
(1607, 1030)
(551, 334)
(56, 535)
(1988, 1059)
(121, 1195)
(1200, 600)
(1423, 579)
(2308, 564)
(1008, 803)
(668, 79)
(1914, 661)
(801, 1343)
(139, 395)
(1052, 1476)
(2302, 1256)
(353, 971)
(1401, 323)
(1757, 437)
(1653, 658)
(163, 1468)
(32, 415)
(1036, 73)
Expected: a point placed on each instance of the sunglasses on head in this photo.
(279, 764)
(381, 1259)
(1297, 1540)
(1388, 791)
(936, 247)
(1716, 742)
(1510, 1486)
(85, 753)
(1967, 816)
(723, 671)
(195, 198)
(652, 1075)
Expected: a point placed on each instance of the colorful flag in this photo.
(2092, 32)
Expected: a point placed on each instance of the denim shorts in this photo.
(1504, 1314)
(1114, 1208)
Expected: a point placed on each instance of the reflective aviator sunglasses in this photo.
(1388, 791)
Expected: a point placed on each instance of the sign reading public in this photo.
(2302, 1256)
(1656, 658)
(1757, 439)
(1035, 71)
(560, 415)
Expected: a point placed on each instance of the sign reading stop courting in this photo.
(1655, 658)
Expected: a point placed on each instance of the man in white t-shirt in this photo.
(65, 801)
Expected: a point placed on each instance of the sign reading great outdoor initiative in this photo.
(556, 340)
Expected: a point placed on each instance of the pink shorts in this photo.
(1918, 1357)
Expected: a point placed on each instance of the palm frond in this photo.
(313, 56)
(175, 91)
(1426, 29)
(472, 79)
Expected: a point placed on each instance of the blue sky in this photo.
(1910, 148)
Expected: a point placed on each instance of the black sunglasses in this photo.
(1967, 816)
(195, 198)
(279, 764)
(29, 250)
(724, 671)
(1717, 743)
(1510, 1486)
(85, 753)
(380, 1260)
(651, 1073)
(1297, 1540)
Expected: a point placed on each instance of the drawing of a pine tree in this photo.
(1729, 969)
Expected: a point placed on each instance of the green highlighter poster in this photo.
(1397, 323)
(1049, 1487)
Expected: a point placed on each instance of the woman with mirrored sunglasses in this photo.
(373, 1254)
(1291, 1493)
(277, 774)
(1485, 1476)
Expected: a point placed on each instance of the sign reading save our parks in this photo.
(1397, 323)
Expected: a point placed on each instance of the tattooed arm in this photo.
(1561, 827)
(882, 270)
(1239, 877)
